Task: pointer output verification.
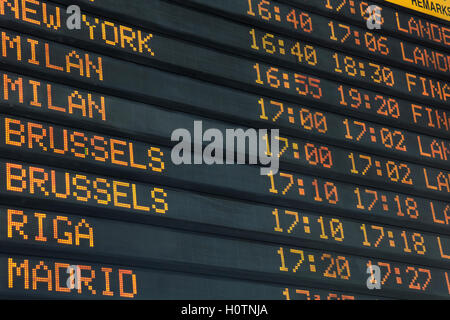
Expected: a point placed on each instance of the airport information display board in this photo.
(92, 205)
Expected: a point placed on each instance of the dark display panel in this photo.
(146, 245)
(247, 37)
(296, 120)
(156, 202)
(418, 28)
(157, 48)
(86, 173)
(389, 139)
(120, 282)
(310, 88)
(99, 192)
(65, 144)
